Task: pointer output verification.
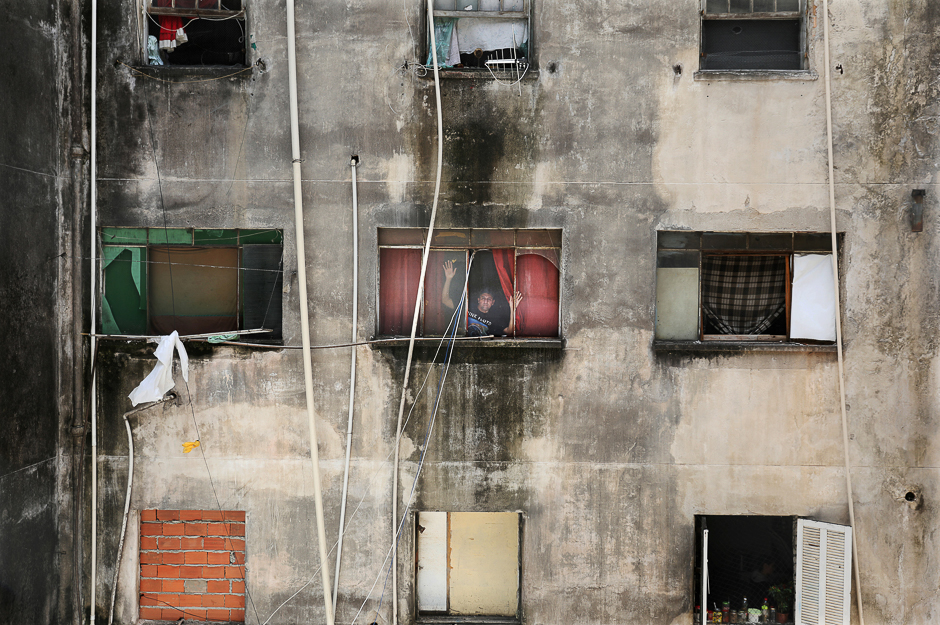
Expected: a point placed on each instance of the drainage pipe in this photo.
(414, 323)
(353, 164)
(304, 320)
(835, 282)
(127, 497)
(79, 428)
(93, 302)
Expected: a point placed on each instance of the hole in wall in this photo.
(677, 69)
(910, 496)
(736, 30)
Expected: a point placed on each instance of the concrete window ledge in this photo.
(479, 74)
(494, 343)
(455, 620)
(740, 347)
(194, 72)
(734, 75)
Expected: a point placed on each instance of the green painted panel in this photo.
(171, 236)
(124, 236)
(124, 302)
(260, 236)
(215, 237)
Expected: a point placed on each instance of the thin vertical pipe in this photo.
(304, 317)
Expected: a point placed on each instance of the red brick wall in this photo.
(192, 565)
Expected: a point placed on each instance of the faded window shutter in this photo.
(262, 284)
(823, 573)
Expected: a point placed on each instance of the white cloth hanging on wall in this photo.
(813, 309)
(160, 380)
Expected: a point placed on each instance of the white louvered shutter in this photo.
(823, 573)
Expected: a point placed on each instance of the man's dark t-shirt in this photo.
(485, 324)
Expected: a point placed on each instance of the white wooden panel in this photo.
(484, 563)
(823, 573)
(432, 562)
(813, 308)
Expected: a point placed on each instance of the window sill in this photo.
(740, 347)
(477, 73)
(746, 75)
(379, 342)
(479, 620)
(216, 72)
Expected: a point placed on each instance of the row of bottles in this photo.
(762, 615)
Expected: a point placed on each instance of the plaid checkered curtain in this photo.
(743, 294)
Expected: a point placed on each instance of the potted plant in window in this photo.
(782, 594)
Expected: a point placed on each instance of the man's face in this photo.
(485, 302)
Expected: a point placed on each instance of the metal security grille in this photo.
(751, 44)
(752, 6)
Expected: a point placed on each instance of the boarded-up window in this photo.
(194, 281)
(468, 563)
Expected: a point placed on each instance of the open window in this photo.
(195, 32)
(753, 35)
(798, 568)
(511, 288)
(468, 564)
(715, 286)
(483, 35)
(194, 281)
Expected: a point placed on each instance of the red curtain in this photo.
(537, 314)
(399, 271)
(503, 259)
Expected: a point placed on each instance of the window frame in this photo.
(159, 239)
(554, 234)
(146, 10)
(448, 615)
(504, 73)
(704, 244)
(802, 73)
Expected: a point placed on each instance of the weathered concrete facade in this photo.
(608, 447)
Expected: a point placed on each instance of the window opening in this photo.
(744, 287)
(752, 35)
(512, 288)
(194, 281)
(195, 32)
(483, 34)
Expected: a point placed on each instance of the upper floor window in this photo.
(195, 32)
(194, 281)
(511, 288)
(489, 35)
(753, 35)
(742, 286)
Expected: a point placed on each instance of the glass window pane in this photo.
(492, 238)
(677, 302)
(538, 238)
(124, 236)
(443, 291)
(740, 6)
(680, 240)
(812, 242)
(402, 236)
(724, 241)
(677, 259)
(193, 290)
(774, 241)
(170, 236)
(716, 6)
(268, 235)
(788, 5)
(764, 6)
(215, 237)
(261, 288)
(451, 238)
(399, 273)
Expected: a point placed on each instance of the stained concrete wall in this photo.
(608, 447)
(35, 390)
